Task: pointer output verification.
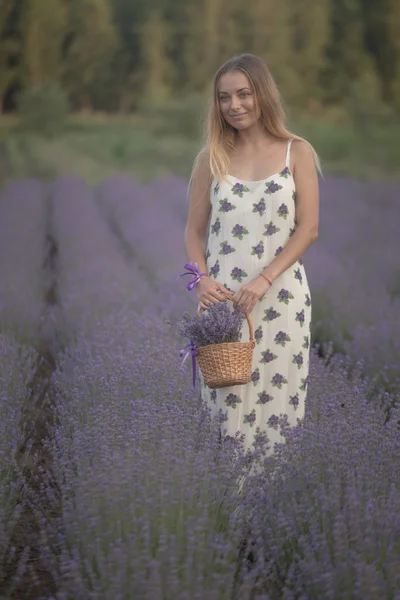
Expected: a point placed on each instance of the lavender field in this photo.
(113, 482)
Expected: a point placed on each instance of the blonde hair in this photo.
(219, 136)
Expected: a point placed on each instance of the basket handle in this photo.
(230, 296)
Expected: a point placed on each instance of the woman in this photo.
(254, 191)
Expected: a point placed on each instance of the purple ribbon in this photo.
(191, 349)
(192, 269)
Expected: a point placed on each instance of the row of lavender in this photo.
(150, 504)
(22, 235)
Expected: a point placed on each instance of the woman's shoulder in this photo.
(303, 155)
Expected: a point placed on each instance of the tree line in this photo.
(118, 55)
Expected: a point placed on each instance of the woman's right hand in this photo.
(210, 292)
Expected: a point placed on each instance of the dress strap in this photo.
(288, 153)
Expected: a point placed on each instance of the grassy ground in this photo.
(154, 145)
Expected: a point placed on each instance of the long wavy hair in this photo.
(219, 137)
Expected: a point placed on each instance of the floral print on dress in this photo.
(258, 334)
(238, 274)
(226, 248)
(271, 314)
(298, 359)
(278, 380)
(216, 227)
(239, 189)
(213, 272)
(272, 187)
(260, 207)
(226, 206)
(232, 400)
(258, 250)
(250, 418)
(298, 276)
(267, 356)
(239, 231)
(242, 216)
(300, 317)
(271, 228)
(285, 296)
(255, 376)
(285, 173)
(283, 210)
(264, 397)
(282, 338)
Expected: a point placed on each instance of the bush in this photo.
(43, 109)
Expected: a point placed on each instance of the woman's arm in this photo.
(199, 213)
(307, 210)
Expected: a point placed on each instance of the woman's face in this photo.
(237, 100)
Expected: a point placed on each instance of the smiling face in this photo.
(237, 100)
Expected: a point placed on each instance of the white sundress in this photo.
(251, 221)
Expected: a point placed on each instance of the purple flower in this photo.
(238, 231)
(283, 210)
(285, 173)
(267, 356)
(298, 275)
(258, 250)
(294, 400)
(278, 250)
(226, 248)
(232, 400)
(255, 376)
(237, 274)
(272, 187)
(259, 207)
(226, 206)
(278, 380)
(300, 317)
(250, 418)
(216, 227)
(238, 189)
(213, 272)
(271, 314)
(298, 359)
(273, 421)
(258, 334)
(270, 229)
(285, 296)
(281, 338)
(264, 397)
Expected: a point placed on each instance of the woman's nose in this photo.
(235, 103)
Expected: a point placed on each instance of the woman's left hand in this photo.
(250, 293)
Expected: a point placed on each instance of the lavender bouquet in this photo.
(216, 325)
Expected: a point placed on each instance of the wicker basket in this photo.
(229, 363)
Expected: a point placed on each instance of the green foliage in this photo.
(181, 117)
(43, 109)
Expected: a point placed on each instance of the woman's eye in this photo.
(245, 94)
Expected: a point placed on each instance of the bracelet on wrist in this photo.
(267, 278)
